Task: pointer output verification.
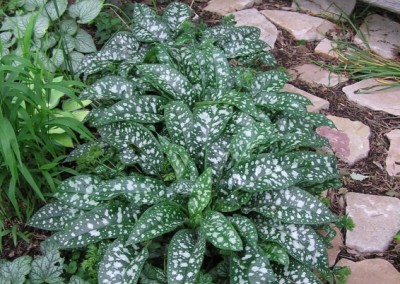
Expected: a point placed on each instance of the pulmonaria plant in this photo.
(214, 174)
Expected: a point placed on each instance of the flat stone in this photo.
(376, 219)
(371, 271)
(224, 7)
(317, 103)
(301, 26)
(390, 5)
(350, 141)
(369, 93)
(251, 17)
(329, 8)
(326, 49)
(315, 74)
(381, 34)
(393, 157)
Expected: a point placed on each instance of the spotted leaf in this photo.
(185, 256)
(260, 272)
(269, 81)
(157, 220)
(179, 122)
(287, 102)
(122, 134)
(54, 216)
(296, 273)
(169, 81)
(85, 149)
(293, 122)
(215, 68)
(175, 14)
(209, 122)
(109, 88)
(201, 193)
(290, 205)
(105, 222)
(275, 253)
(217, 155)
(121, 264)
(147, 26)
(246, 228)
(220, 232)
(76, 192)
(300, 241)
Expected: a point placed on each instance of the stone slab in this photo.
(369, 93)
(376, 219)
(393, 157)
(371, 271)
(301, 26)
(224, 7)
(350, 141)
(329, 8)
(390, 5)
(381, 34)
(251, 17)
(318, 104)
(326, 49)
(315, 74)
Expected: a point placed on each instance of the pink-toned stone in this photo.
(381, 34)
(301, 26)
(329, 8)
(251, 17)
(369, 93)
(317, 103)
(371, 271)
(315, 74)
(224, 7)
(393, 158)
(390, 5)
(350, 141)
(326, 49)
(337, 244)
(376, 219)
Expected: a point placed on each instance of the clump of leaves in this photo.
(53, 30)
(238, 204)
(107, 25)
(46, 268)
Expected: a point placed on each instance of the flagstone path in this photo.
(376, 218)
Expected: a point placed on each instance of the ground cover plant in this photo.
(57, 37)
(203, 171)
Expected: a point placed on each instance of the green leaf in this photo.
(15, 272)
(209, 122)
(238, 269)
(77, 192)
(54, 9)
(31, 5)
(292, 122)
(246, 228)
(147, 27)
(109, 88)
(179, 122)
(180, 160)
(121, 264)
(220, 232)
(85, 149)
(54, 216)
(68, 27)
(76, 59)
(47, 268)
(201, 193)
(287, 102)
(296, 273)
(290, 205)
(85, 11)
(101, 223)
(217, 155)
(269, 81)
(275, 253)
(152, 275)
(185, 256)
(122, 134)
(84, 42)
(215, 68)
(300, 241)
(260, 272)
(241, 101)
(156, 221)
(168, 80)
(175, 14)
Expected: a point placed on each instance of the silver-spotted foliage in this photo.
(206, 171)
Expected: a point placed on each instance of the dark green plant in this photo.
(107, 24)
(215, 174)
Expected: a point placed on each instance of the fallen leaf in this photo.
(356, 176)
